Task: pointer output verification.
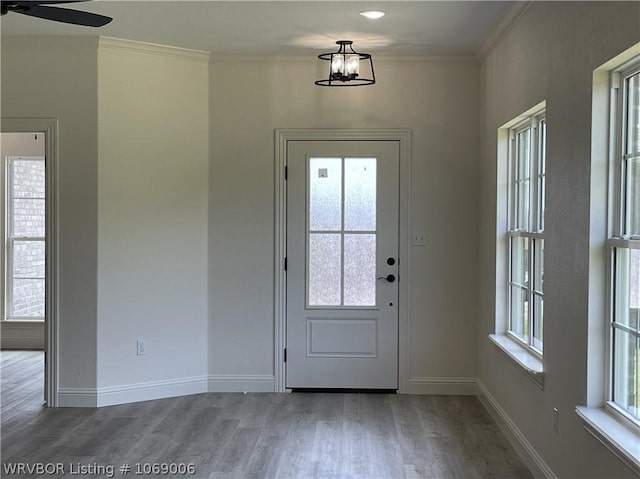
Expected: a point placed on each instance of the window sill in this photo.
(531, 364)
(622, 440)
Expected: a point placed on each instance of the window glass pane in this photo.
(627, 287)
(538, 317)
(633, 114)
(28, 259)
(542, 173)
(360, 194)
(519, 312)
(360, 270)
(632, 199)
(634, 289)
(520, 261)
(325, 270)
(523, 180)
(28, 298)
(28, 178)
(28, 217)
(538, 263)
(626, 375)
(325, 194)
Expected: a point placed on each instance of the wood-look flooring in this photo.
(306, 435)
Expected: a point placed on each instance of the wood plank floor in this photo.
(306, 435)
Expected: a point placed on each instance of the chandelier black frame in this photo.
(340, 74)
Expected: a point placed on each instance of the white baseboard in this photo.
(77, 397)
(525, 449)
(148, 391)
(130, 393)
(442, 386)
(224, 383)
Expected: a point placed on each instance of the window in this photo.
(624, 246)
(526, 192)
(25, 238)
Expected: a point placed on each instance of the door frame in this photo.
(50, 129)
(282, 137)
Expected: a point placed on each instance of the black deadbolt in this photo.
(391, 261)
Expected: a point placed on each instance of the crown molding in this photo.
(312, 58)
(152, 49)
(504, 26)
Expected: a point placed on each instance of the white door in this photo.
(342, 264)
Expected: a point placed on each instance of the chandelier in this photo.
(345, 67)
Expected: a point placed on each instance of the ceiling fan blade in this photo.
(65, 15)
(47, 2)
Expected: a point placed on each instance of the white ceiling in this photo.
(414, 27)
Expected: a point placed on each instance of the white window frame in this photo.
(619, 237)
(11, 239)
(532, 230)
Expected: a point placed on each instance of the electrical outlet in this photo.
(140, 347)
(556, 420)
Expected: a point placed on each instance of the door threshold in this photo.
(344, 390)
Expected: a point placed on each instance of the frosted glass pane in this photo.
(325, 194)
(28, 178)
(28, 298)
(28, 217)
(325, 271)
(360, 270)
(28, 259)
(360, 194)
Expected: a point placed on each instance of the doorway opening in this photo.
(28, 260)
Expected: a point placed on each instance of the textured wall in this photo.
(56, 77)
(439, 101)
(152, 214)
(550, 55)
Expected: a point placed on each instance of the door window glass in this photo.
(341, 232)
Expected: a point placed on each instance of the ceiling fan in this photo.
(65, 15)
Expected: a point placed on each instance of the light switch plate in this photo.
(419, 238)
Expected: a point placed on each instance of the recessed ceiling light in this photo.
(373, 14)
